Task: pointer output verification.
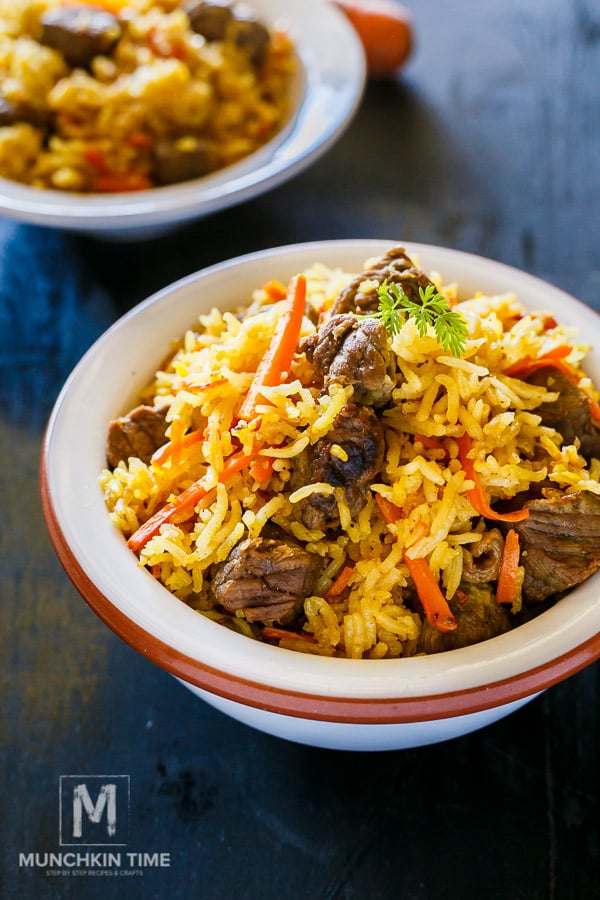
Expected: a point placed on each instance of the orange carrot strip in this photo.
(262, 469)
(139, 139)
(559, 352)
(506, 590)
(439, 614)
(96, 158)
(389, 511)
(554, 357)
(421, 530)
(188, 499)
(548, 320)
(172, 448)
(107, 183)
(595, 410)
(275, 290)
(339, 584)
(163, 46)
(275, 364)
(429, 443)
(477, 494)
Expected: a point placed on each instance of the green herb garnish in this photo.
(395, 307)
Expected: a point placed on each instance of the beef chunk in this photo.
(348, 350)
(209, 18)
(181, 160)
(560, 543)
(216, 20)
(249, 34)
(395, 267)
(478, 618)
(267, 578)
(570, 413)
(12, 113)
(79, 32)
(139, 434)
(359, 433)
(481, 562)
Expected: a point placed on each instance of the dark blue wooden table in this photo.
(489, 142)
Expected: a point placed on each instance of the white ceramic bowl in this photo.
(327, 92)
(351, 704)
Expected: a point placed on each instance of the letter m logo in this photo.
(94, 810)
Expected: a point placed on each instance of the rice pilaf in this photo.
(454, 426)
(124, 95)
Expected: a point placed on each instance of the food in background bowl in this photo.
(124, 95)
(363, 465)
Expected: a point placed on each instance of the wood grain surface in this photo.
(488, 141)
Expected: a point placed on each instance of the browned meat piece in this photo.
(11, 113)
(181, 160)
(348, 350)
(139, 434)
(560, 543)
(359, 433)
(481, 563)
(267, 578)
(478, 616)
(249, 34)
(395, 267)
(570, 413)
(209, 18)
(79, 32)
(217, 19)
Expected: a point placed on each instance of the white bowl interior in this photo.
(327, 91)
(105, 383)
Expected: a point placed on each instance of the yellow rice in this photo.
(441, 397)
(162, 81)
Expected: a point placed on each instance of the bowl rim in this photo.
(330, 87)
(413, 704)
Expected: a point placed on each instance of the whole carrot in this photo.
(385, 31)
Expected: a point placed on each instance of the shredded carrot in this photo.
(185, 503)
(108, 183)
(139, 139)
(275, 364)
(548, 320)
(506, 590)
(554, 357)
(339, 584)
(280, 634)
(477, 494)
(275, 290)
(174, 447)
(437, 611)
(389, 511)
(595, 410)
(430, 443)
(421, 531)
(96, 158)
(262, 469)
(165, 47)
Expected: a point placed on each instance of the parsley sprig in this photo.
(395, 307)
